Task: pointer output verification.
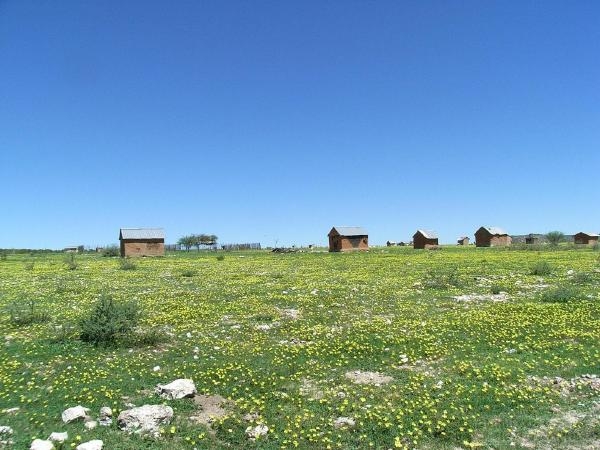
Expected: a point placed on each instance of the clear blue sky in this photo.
(275, 120)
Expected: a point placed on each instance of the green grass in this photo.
(465, 373)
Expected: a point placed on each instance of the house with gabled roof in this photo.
(425, 239)
(584, 238)
(142, 242)
(492, 237)
(343, 239)
(463, 240)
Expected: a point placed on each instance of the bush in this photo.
(111, 251)
(541, 268)
(26, 313)
(146, 338)
(443, 279)
(220, 257)
(555, 237)
(583, 278)
(70, 261)
(188, 273)
(127, 264)
(561, 294)
(497, 288)
(109, 321)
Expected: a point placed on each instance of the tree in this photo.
(554, 237)
(187, 241)
(198, 240)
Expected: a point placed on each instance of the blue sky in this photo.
(273, 121)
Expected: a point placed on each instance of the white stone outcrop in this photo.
(145, 419)
(75, 413)
(177, 389)
(96, 444)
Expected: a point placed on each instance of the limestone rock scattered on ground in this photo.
(256, 432)
(105, 418)
(96, 444)
(145, 419)
(74, 413)
(344, 422)
(181, 388)
(5, 434)
(40, 444)
(90, 424)
(58, 437)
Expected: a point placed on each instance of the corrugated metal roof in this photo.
(142, 233)
(496, 230)
(428, 234)
(351, 231)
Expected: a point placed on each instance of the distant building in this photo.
(73, 249)
(343, 239)
(463, 240)
(583, 238)
(425, 239)
(142, 241)
(492, 237)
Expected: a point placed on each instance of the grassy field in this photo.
(472, 341)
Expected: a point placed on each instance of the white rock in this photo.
(145, 418)
(96, 444)
(58, 437)
(11, 410)
(91, 424)
(5, 430)
(180, 388)
(155, 368)
(256, 432)
(40, 444)
(342, 422)
(75, 413)
(105, 412)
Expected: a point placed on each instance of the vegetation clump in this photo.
(71, 262)
(127, 264)
(555, 237)
(561, 294)
(109, 321)
(111, 251)
(26, 313)
(541, 268)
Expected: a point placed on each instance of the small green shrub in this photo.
(443, 279)
(22, 313)
(541, 268)
(109, 321)
(583, 278)
(70, 261)
(29, 265)
(221, 258)
(188, 273)
(150, 337)
(497, 288)
(555, 237)
(111, 251)
(127, 264)
(561, 294)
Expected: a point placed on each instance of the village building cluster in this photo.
(151, 241)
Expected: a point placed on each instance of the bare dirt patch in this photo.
(212, 407)
(373, 378)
